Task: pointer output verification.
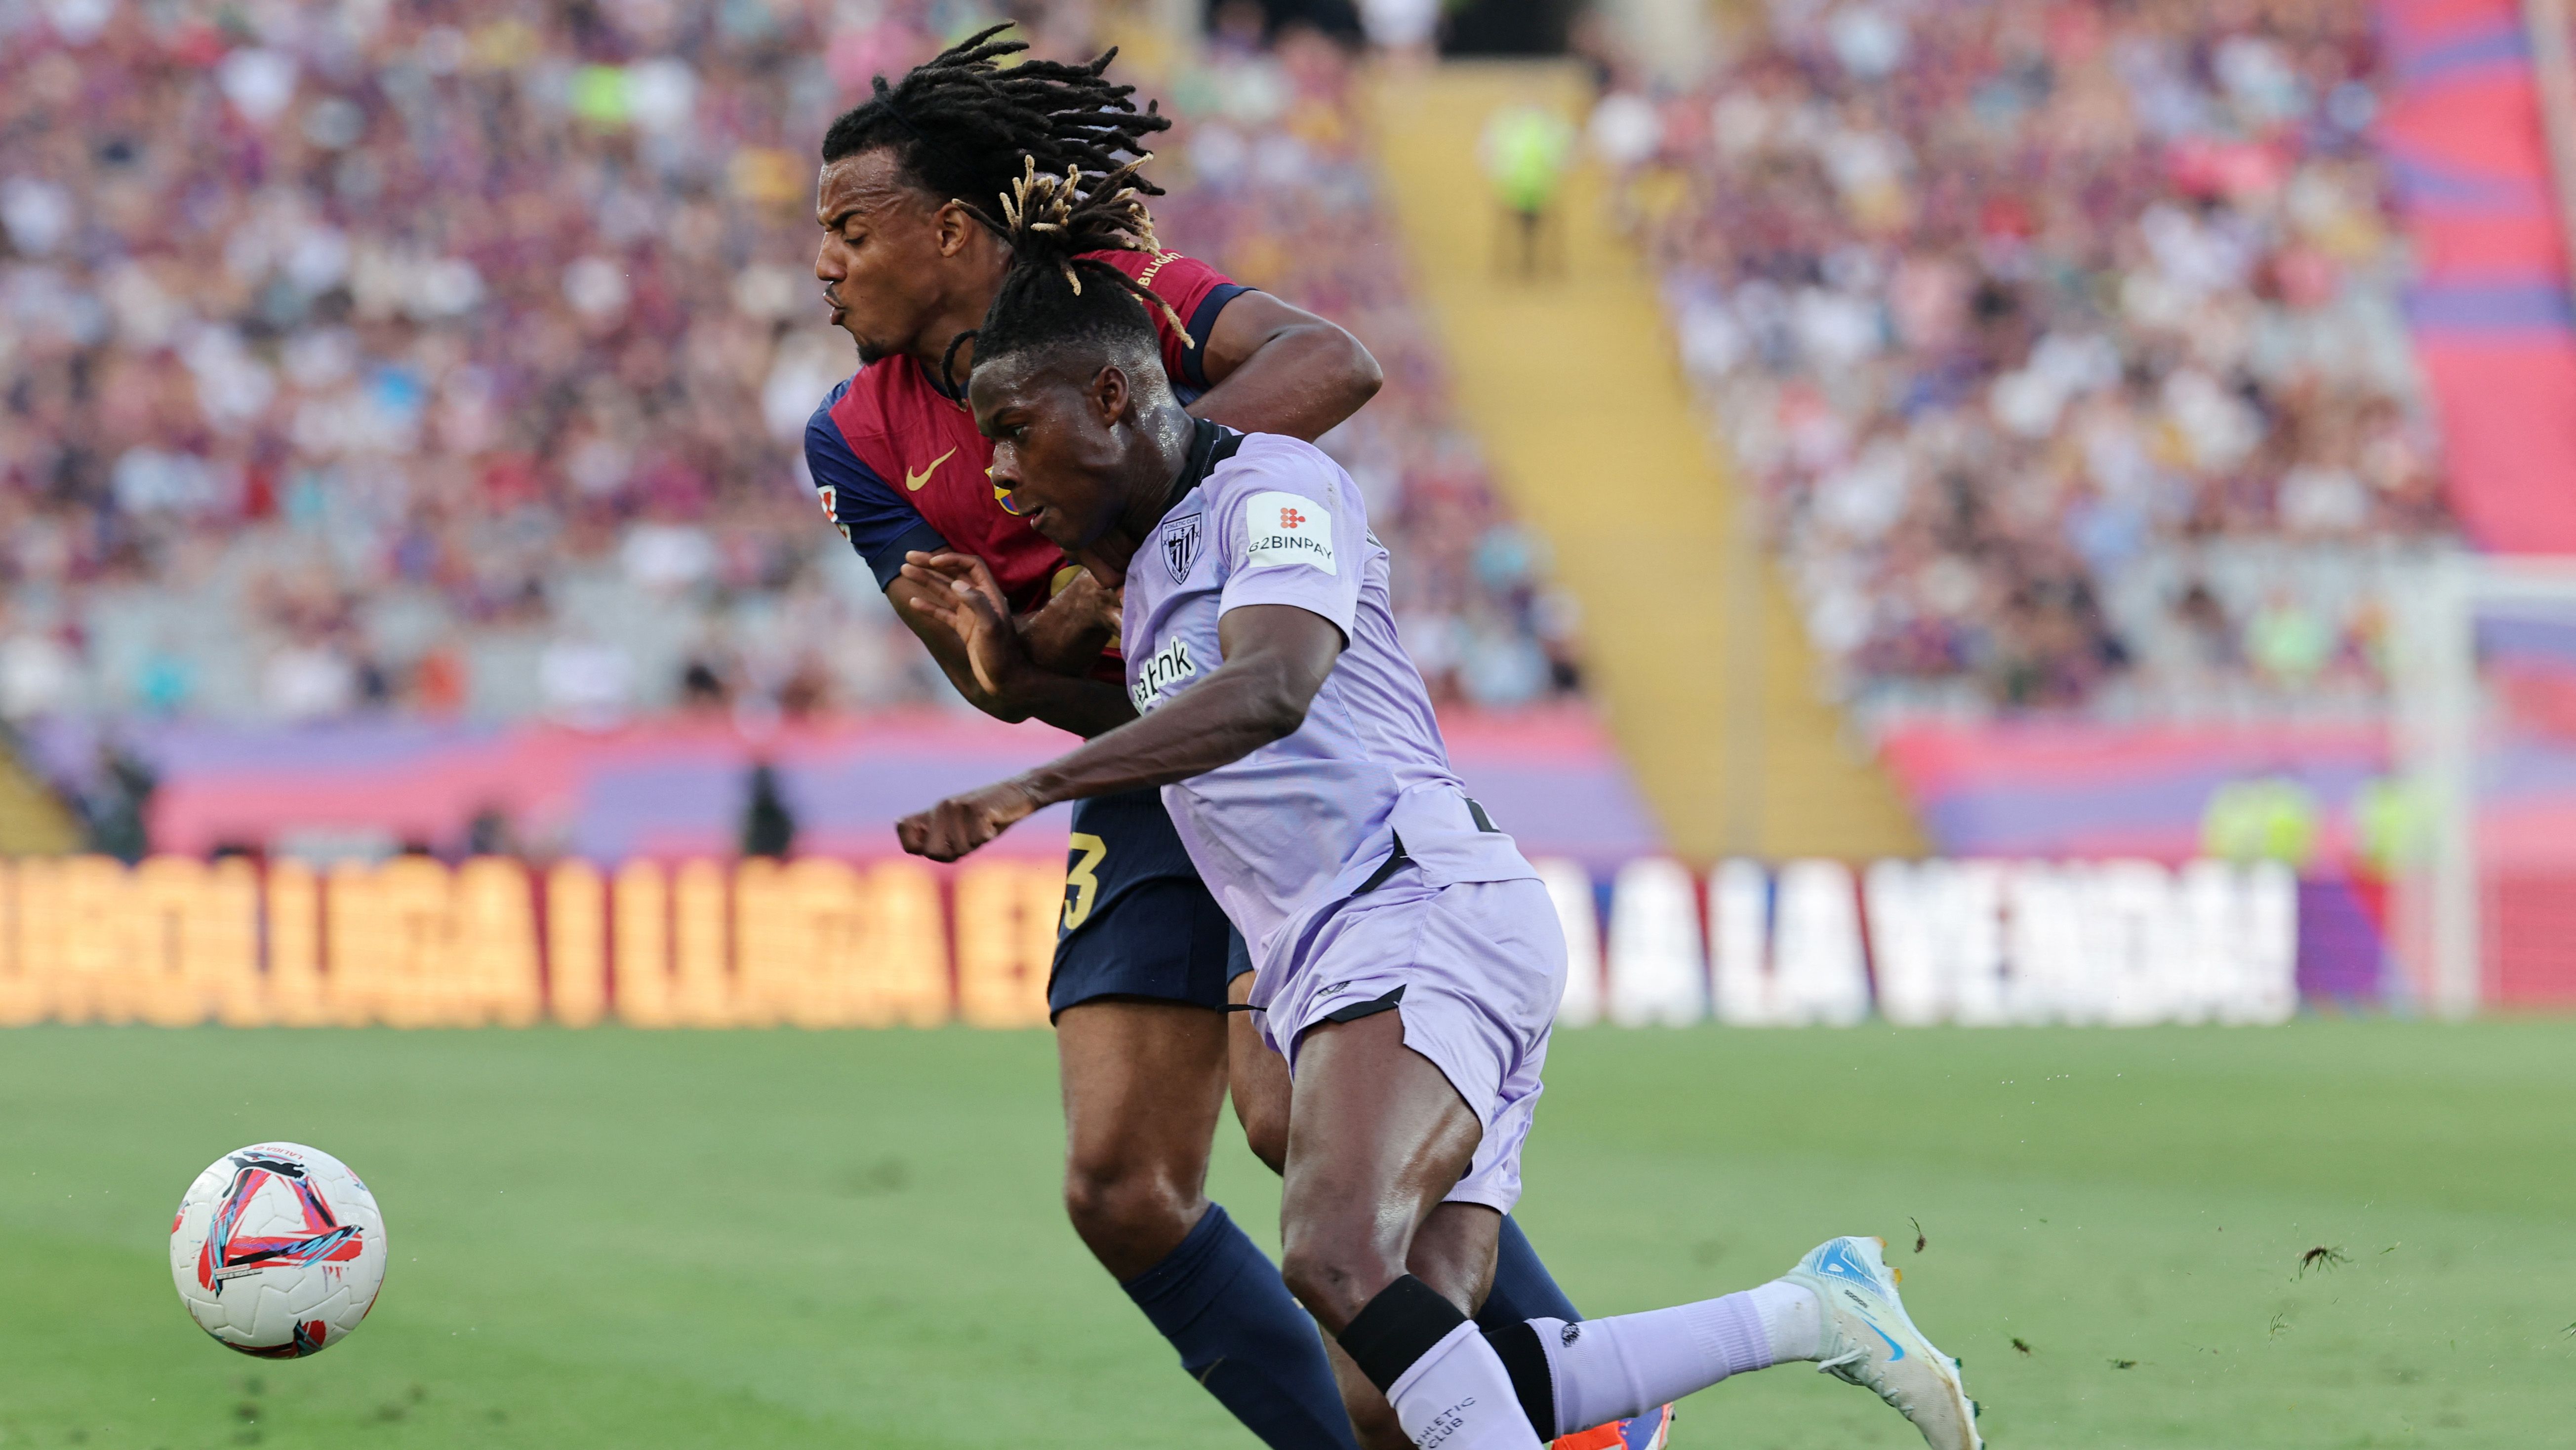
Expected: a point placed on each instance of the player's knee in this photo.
(1335, 1273)
(1118, 1207)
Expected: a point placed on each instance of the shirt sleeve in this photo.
(864, 507)
(1294, 533)
(1195, 290)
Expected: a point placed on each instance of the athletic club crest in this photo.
(1181, 546)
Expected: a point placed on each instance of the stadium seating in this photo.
(450, 362)
(2061, 344)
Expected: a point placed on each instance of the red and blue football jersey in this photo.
(900, 466)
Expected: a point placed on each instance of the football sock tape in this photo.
(1408, 1317)
(1396, 1328)
(1525, 1360)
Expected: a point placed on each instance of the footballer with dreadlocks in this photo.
(1409, 959)
(911, 198)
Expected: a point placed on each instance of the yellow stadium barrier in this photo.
(294, 946)
(414, 942)
(576, 944)
(642, 955)
(1006, 923)
(699, 991)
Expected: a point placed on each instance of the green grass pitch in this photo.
(784, 1239)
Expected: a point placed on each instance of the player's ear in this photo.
(1111, 394)
(956, 227)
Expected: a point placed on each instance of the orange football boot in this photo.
(1648, 1431)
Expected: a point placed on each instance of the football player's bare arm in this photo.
(1276, 658)
(1274, 368)
(1067, 633)
(1084, 707)
(1063, 638)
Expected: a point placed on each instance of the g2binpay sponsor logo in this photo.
(1169, 666)
(1287, 528)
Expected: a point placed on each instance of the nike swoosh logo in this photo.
(912, 481)
(1895, 1351)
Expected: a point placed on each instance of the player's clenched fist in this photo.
(961, 823)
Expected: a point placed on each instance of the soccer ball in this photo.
(278, 1250)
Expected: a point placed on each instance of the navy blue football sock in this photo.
(1523, 1288)
(1219, 1300)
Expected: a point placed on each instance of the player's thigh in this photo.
(1260, 1081)
(1377, 1138)
(1143, 1084)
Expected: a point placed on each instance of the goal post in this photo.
(2479, 723)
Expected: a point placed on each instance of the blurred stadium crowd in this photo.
(2060, 340)
(451, 358)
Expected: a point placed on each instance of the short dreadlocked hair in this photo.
(960, 124)
(1053, 226)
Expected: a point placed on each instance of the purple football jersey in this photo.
(1284, 833)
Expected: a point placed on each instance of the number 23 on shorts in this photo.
(1081, 881)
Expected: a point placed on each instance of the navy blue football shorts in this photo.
(1137, 920)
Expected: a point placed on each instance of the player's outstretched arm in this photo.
(959, 604)
(1276, 658)
(1275, 368)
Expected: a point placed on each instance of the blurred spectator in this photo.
(1403, 29)
(2265, 818)
(117, 805)
(768, 826)
(2058, 341)
(1526, 150)
(585, 681)
(454, 356)
(701, 688)
(490, 833)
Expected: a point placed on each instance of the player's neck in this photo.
(1153, 464)
(931, 350)
(962, 313)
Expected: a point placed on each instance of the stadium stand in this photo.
(1700, 668)
(1275, 179)
(447, 362)
(2061, 344)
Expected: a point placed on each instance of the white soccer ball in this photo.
(278, 1250)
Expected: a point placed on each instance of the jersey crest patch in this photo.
(1181, 546)
(831, 498)
(1288, 528)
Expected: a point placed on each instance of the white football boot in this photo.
(1868, 1340)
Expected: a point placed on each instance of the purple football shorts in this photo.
(1481, 966)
